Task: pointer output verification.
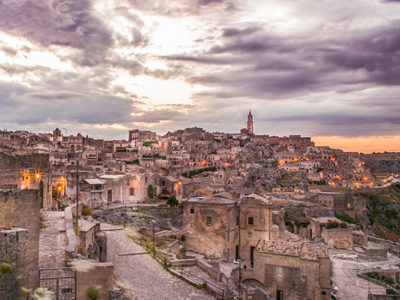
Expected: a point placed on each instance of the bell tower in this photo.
(250, 128)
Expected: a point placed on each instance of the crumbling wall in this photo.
(13, 251)
(21, 208)
(340, 238)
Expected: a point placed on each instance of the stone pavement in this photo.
(350, 285)
(52, 241)
(147, 278)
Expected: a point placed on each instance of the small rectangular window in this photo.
(209, 221)
(279, 271)
(251, 220)
(132, 191)
(237, 220)
(192, 210)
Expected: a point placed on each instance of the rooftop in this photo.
(294, 246)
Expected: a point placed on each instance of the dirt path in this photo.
(147, 277)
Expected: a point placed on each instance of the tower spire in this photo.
(250, 127)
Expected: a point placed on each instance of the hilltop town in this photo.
(200, 215)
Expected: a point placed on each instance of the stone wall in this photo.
(13, 251)
(102, 275)
(217, 240)
(340, 238)
(297, 278)
(72, 243)
(360, 238)
(21, 208)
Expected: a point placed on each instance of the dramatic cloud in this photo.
(303, 67)
(62, 23)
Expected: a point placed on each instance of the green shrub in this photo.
(6, 226)
(81, 250)
(5, 268)
(331, 225)
(172, 201)
(190, 174)
(150, 191)
(93, 292)
(346, 218)
(87, 210)
(388, 280)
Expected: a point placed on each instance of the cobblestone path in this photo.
(146, 276)
(52, 241)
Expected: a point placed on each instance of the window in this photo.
(145, 179)
(192, 210)
(250, 235)
(251, 220)
(132, 191)
(348, 206)
(209, 220)
(279, 271)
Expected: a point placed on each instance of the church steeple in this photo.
(250, 128)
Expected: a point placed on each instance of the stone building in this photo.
(137, 135)
(221, 227)
(255, 225)
(107, 189)
(211, 226)
(341, 202)
(291, 268)
(29, 171)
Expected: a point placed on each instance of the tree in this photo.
(150, 191)
(172, 201)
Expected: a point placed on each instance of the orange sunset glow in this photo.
(360, 144)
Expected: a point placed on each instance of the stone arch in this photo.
(253, 282)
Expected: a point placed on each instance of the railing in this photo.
(62, 281)
(219, 291)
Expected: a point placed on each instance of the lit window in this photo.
(348, 206)
(209, 221)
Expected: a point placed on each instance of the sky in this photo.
(329, 69)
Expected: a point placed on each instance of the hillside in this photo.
(383, 210)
